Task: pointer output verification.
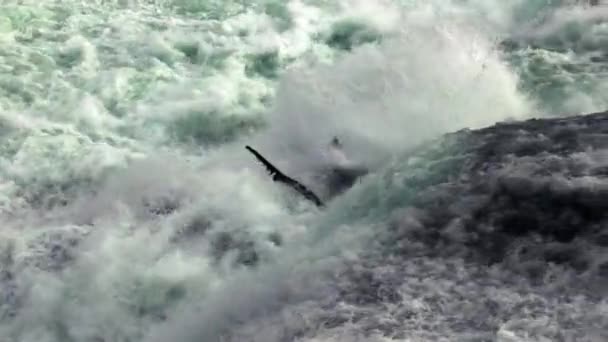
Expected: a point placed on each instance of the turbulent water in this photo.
(130, 210)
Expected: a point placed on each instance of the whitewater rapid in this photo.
(130, 210)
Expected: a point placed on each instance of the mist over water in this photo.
(130, 210)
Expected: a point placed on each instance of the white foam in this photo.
(427, 81)
(435, 69)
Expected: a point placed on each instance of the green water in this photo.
(108, 105)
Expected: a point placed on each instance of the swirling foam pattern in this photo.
(130, 211)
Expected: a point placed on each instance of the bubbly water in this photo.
(130, 210)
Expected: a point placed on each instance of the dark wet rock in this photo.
(487, 190)
(491, 230)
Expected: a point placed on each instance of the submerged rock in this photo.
(498, 193)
